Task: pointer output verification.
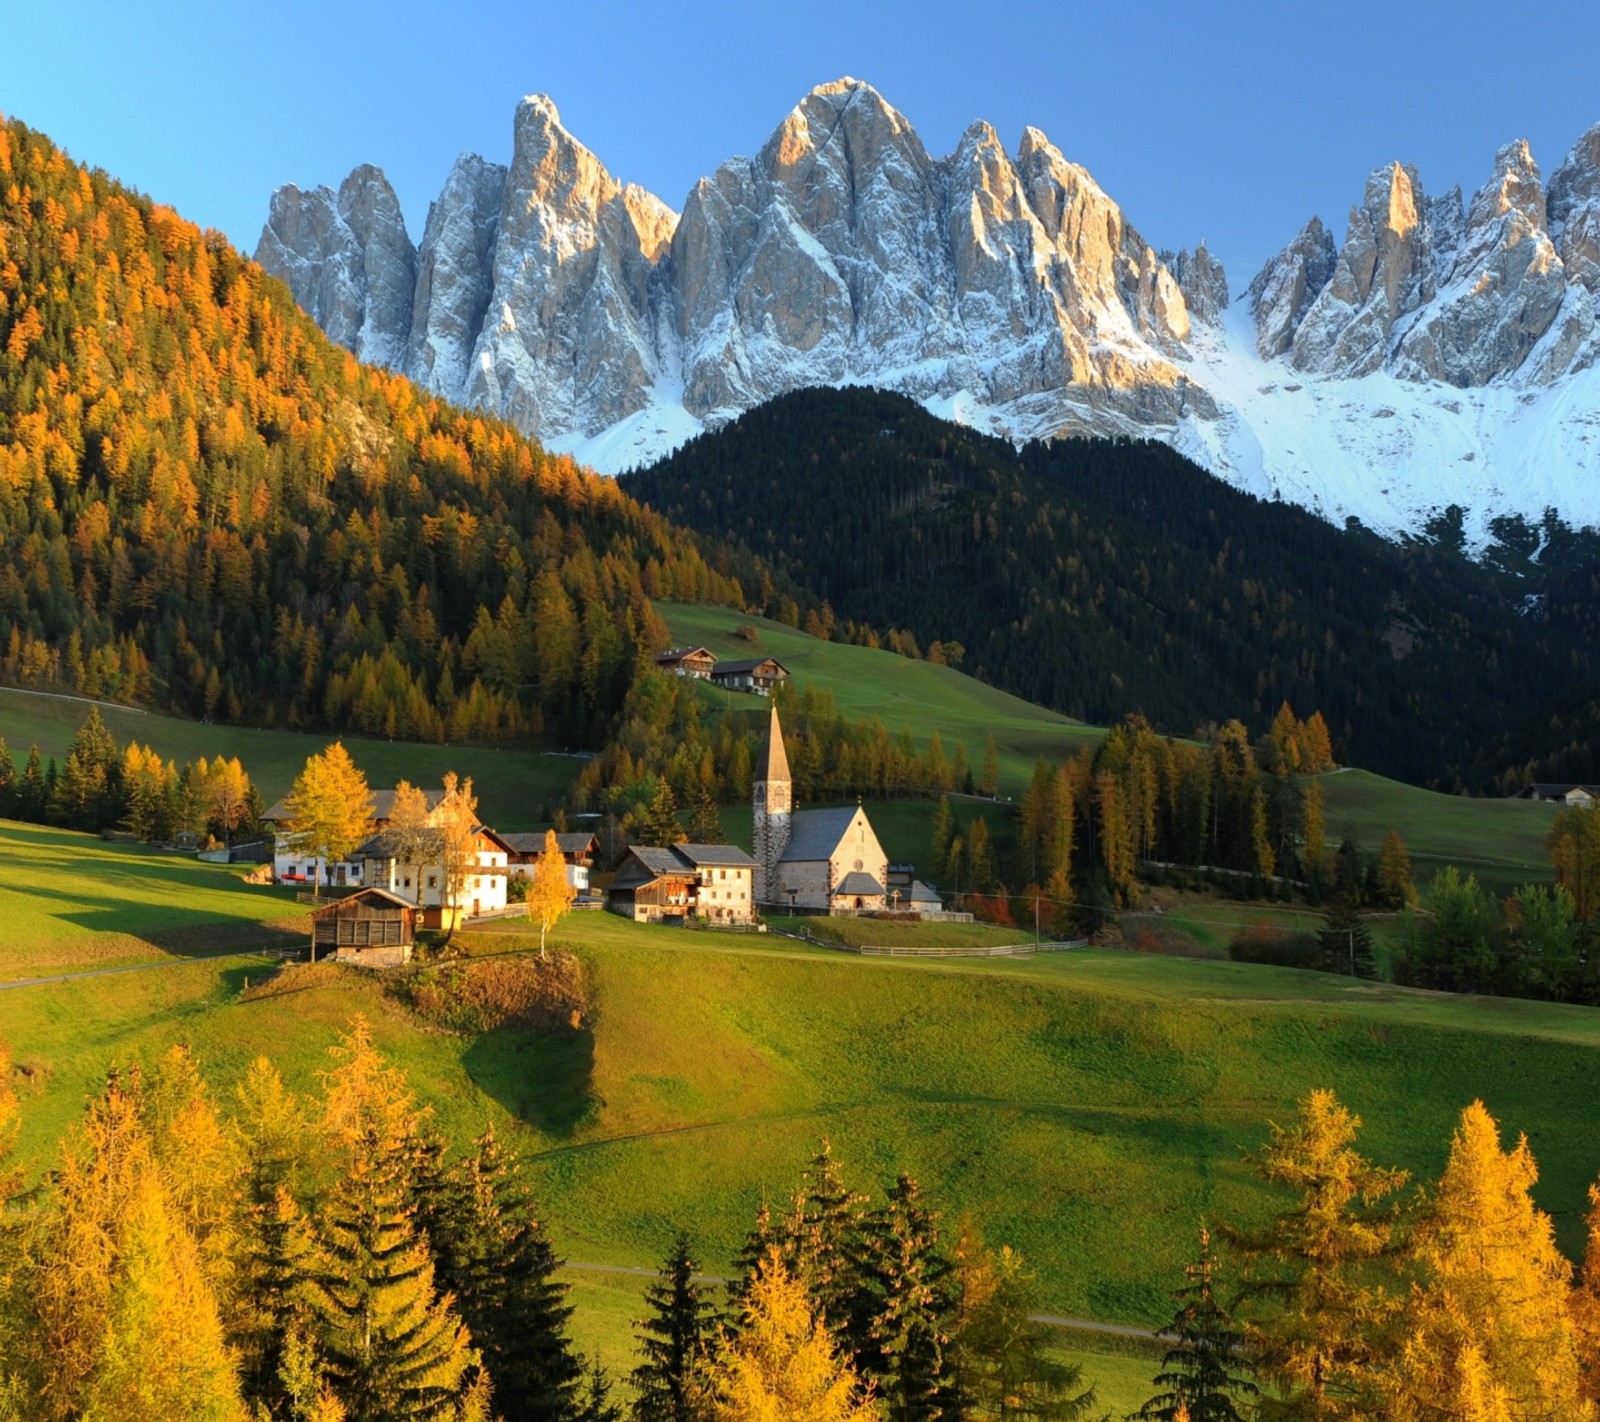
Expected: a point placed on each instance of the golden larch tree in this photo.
(549, 893)
(330, 807)
(1488, 1331)
(782, 1362)
(456, 821)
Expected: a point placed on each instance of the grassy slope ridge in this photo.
(1503, 840)
(1089, 1107)
(512, 783)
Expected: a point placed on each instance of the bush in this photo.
(533, 994)
(1280, 947)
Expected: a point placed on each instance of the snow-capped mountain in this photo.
(1445, 353)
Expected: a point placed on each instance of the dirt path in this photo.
(1053, 1320)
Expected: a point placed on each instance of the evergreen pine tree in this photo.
(392, 1347)
(596, 1405)
(908, 1328)
(705, 824)
(495, 1257)
(32, 799)
(1346, 941)
(828, 1251)
(672, 1340)
(660, 827)
(1206, 1370)
(8, 782)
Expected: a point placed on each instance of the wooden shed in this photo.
(370, 919)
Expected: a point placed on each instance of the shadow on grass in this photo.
(183, 932)
(544, 1079)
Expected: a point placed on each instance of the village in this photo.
(413, 871)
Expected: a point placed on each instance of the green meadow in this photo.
(1502, 841)
(1089, 1107)
(514, 784)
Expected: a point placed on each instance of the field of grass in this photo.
(899, 692)
(1088, 1107)
(71, 902)
(513, 784)
(880, 933)
(1502, 841)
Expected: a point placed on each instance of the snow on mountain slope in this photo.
(1444, 353)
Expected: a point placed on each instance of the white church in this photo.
(821, 861)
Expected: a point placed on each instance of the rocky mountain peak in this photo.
(1283, 290)
(1573, 209)
(1384, 271)
(1202, 281)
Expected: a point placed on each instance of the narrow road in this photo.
(1053, 1320)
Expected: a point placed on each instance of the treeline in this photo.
(132, 789)
(1102, 578)
(669, 734)
(308, 1260)
(207, 507)
(328, 1260)
(1356, 1300)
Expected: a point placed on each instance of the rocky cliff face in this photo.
(1001, 287)
(567, 302)
(1430, 292)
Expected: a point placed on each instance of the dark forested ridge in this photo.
(206, 506)
(1104, 578)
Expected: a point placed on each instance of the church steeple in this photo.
(772, 794)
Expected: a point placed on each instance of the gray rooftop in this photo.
(815, 834)
(716, 854)
(859, 882)
(532, 842)
(382, 805)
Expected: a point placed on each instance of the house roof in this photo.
(922, 894)
(579, 842)
(382, 805)
(748, 665)
(773, 765)
(858, 882)
(659, 861)
(380, 896)
(386, 844)
(677, 654)
(718, 854)
(815, 834)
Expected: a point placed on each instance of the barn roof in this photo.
(369, 895)
(748, 665)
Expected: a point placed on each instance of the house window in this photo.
(433, 881)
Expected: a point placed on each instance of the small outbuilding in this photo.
(372, 927)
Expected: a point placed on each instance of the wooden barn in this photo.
(757, 675)
(371, 927)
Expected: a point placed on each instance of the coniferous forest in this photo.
(207, 507)
(1105, 578)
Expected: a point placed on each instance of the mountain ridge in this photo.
(1003, 289)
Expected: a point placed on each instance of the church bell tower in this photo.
(773, 795)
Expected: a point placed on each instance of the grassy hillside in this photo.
(513, 784)
(1502, 840)
(1089, 1107)
(899, 692)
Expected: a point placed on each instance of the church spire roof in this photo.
(774, 763)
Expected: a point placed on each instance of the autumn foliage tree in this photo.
(549, 893)
(330, 807)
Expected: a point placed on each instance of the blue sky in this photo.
(1230, 122)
